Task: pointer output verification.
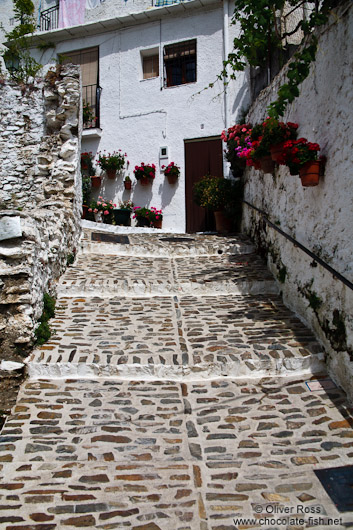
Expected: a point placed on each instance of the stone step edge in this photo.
(131, 289)
(115, 249)
(312, 364)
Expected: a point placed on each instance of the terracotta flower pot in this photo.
(127, 184)
(267, 164)
(310, 173)
(276, 151)
(172, 179)
(223, 223)
(96, 182)
(111, 173)
(157, 223)
(84, 211)
(145, 181)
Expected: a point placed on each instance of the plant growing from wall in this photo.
(260, 32)
(43, 332)
(18, 60)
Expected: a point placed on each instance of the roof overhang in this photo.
(132, 19)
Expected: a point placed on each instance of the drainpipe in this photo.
(225, 54)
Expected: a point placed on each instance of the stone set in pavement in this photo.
(154, 443)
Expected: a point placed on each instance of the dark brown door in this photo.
(202, 157)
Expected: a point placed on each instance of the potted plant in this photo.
(302, 157)
(259, 155)
(86, 194)
(111, 162)
(87, 114)
(148, 217)
(127, 183)
(86, 161)
(238, 142)
(145, 173)
(102, 210)
(156, 217)
(214, 193)
(172, 172)
(275, 133)
(122, 214)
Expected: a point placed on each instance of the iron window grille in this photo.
(180, 63)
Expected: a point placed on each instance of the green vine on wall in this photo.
(260, 32)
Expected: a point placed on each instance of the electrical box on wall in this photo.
(163, 152)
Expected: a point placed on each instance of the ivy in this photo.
(260, 33)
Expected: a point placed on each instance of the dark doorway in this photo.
(202, 157)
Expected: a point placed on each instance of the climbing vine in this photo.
(261, 32)
(19, 62)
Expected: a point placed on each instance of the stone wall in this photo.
(40, 198)
(320, 218)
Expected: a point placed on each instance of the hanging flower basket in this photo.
(310, 173)
(172, 179)
(127, 184)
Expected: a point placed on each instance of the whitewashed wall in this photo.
(320, 218)
(139, 116)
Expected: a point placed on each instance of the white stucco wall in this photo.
(139, 116)
(320, 218)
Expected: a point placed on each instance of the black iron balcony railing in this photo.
(91, 102)
(49, 19)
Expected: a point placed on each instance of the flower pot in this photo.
(276, 151)
(96, 182)
(111, 173)
(84, 166)
(172, 179)
(142, 221)
(84, 211)
(122, 217)
(256, 164)
(223, 223)
(267, 164)
(127, 184)
(98, 217)
(145, 181)
(310, 173)
(157, 223)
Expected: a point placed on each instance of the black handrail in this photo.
(49, 18)
(296, 243)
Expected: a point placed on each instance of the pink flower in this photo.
(90, 209)
(106, 212)
(95, 210)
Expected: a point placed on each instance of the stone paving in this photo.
(176, 411)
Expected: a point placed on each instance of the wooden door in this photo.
(202, 157)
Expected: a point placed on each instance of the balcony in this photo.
(49, 19)
(91, 98)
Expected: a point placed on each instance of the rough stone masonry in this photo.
(40, 195)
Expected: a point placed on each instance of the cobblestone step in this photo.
(162, 244)
(158, 455)
(109, 275)
(180, 337)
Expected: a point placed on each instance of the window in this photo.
(88, 60)
(150, 63)
(180, 63)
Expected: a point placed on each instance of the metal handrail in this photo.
(49, 19)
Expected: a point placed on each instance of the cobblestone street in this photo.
(177, 392)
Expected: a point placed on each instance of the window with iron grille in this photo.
(88, 60)
(180, 63)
